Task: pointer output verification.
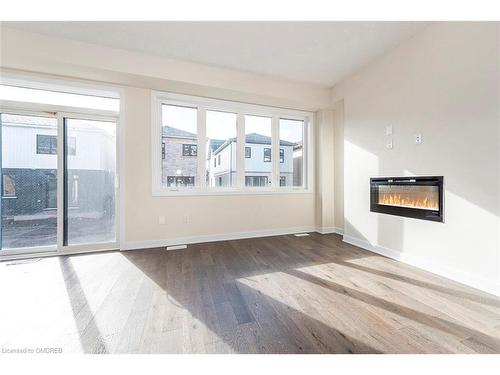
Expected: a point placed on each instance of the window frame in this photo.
(202, 104)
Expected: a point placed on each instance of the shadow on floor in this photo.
(90, 337)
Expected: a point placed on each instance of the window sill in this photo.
(247, 191)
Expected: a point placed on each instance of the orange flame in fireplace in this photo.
(392, 199)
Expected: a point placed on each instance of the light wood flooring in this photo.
(281, 294)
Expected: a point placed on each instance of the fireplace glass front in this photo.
(416, 197)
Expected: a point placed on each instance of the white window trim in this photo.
(202, 104)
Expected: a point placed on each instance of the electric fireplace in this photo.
(415, 197)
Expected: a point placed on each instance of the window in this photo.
(292, 152)
(9, 186)
(256, 181)
(214, 144)
(180, 136)
(221, 146)
(46, 144)
(267, 155)
(189, 150)
(258, 135)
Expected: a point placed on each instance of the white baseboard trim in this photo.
(148, 244)
(329, 230)
(450, 273)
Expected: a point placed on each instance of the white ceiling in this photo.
(320, 53)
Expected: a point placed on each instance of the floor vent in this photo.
(301, 235)
(176, 247)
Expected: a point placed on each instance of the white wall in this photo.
(444, 84)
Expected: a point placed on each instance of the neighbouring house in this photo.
(179, 160)
(258, 166)
(179, 151)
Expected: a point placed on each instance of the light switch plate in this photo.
(388, 130)
(389, 144)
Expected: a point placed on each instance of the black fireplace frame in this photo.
(415, 213)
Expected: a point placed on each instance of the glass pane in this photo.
(21, 94)
(414, 196)
(90, 181)
(29, 182)
(291, 153)
(258, 166)
(221, 149)
(179, 155)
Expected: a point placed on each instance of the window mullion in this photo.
(275, 151)
(202, 145)
(60, 181)
(305, 153)
(240, 151)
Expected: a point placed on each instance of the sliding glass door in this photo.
(89, 181)
(58, 182)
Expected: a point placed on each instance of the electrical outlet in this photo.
(418, 139)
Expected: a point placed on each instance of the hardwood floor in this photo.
(280, 294)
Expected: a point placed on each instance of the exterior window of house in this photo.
(256, 181)
(180, 181)
(180, 137)
(163, 151)
(46, 144)
(258, 136)
(248, 152)
(282, 181)
(291, 143)
(189, 150)
(267, 155)
(215, 161)
(9, 186)
(221, 141)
